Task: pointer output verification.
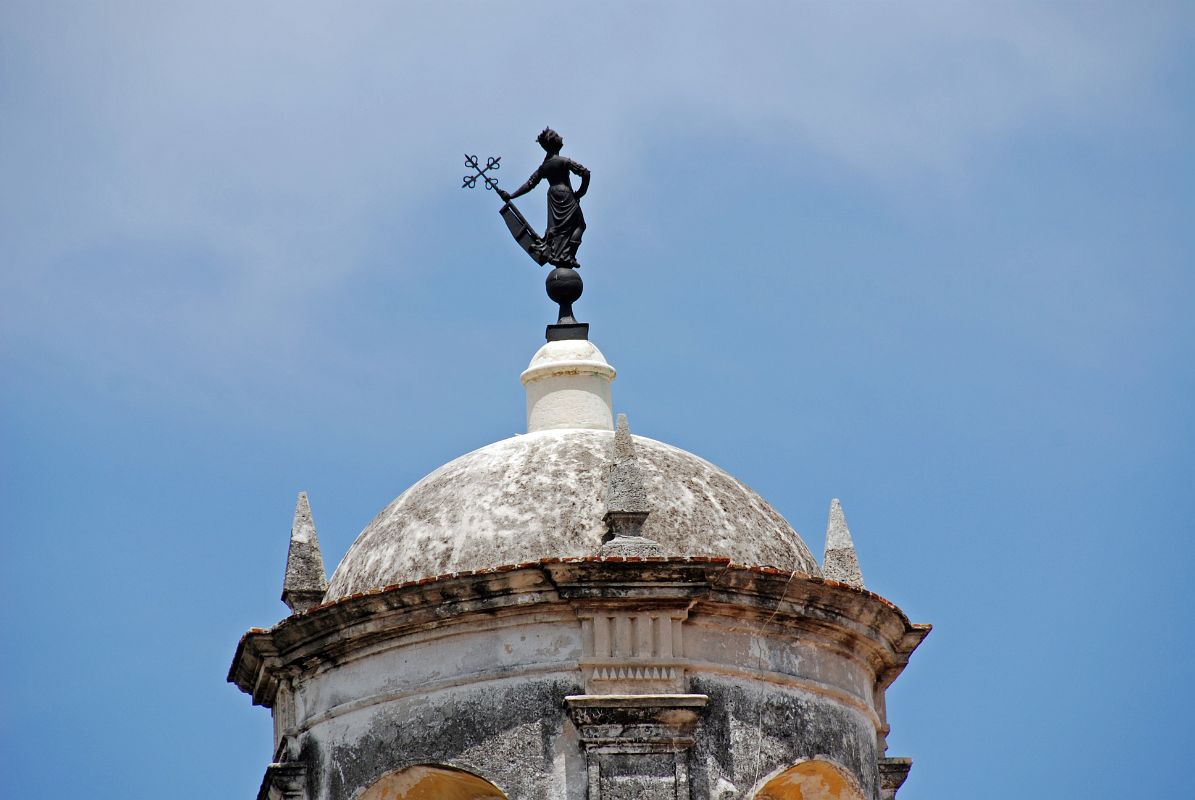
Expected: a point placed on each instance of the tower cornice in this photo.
(710, 592)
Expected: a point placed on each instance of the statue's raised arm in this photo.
(531, 183)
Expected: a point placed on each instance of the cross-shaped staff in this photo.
(524, 234)
(471, 180)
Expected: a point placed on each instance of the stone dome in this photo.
(543, 495)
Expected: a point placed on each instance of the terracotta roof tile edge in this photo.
(761, 569)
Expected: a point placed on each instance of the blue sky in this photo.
(931, 258)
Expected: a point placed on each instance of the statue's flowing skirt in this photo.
(564, 217)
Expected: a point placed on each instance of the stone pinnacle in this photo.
(840, 562)
(305, 581)
(626, 500)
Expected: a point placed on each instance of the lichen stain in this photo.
(432, 783)
(811, 780)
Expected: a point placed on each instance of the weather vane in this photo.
(566, 225)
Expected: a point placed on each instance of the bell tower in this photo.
(577, 613)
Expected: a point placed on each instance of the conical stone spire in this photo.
(840, 562)
(305, 581)
(626, 500)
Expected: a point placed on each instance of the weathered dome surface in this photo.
(543, 495)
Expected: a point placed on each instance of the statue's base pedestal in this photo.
(567, 330)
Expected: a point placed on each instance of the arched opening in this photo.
(426, 782)
(810, 780)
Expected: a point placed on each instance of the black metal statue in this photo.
(566, 225)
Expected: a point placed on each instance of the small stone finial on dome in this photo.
(306, 581)
(840, 562)
(626, 501)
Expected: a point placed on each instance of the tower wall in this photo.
(591, 679)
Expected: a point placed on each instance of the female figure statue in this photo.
(566, 223)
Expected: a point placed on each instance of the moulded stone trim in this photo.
(712, 588)
(628, 738)
(893, 773)
(567, 669)
(401, 636)
(808, 685)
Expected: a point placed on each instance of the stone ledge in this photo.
(893, 772)
(636, 700)
(789, 603)
(662, 723)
